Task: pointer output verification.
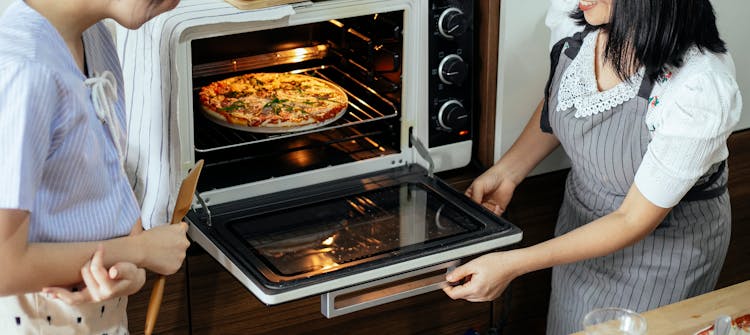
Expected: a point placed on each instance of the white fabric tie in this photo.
(104, 96)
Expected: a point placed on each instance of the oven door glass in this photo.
(325, 233)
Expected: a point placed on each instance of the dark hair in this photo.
(656, 33)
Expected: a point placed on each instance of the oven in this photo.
(350, 211)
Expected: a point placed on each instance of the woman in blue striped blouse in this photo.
(71, 245)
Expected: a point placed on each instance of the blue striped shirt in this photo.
(58, 159)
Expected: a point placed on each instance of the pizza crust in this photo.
(273, 102)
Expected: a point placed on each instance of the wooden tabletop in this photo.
(689, 316)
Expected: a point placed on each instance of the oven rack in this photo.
(348, 141)
(365, 105)
(296, 55)
(295, 155)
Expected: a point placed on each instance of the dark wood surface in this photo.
(221, 305)
(488, 25)
(174, 317)
(737, 264)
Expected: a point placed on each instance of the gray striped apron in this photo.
(680, 259)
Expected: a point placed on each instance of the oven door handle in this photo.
(385, 290)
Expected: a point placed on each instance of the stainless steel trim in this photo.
(440, 70)
(260, 61)
(370, 298)
(424, 153)
(442, 110)
(205, 208)
(441, 29)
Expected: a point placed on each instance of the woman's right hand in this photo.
(493, 190)
(164, 247)
(101, 283)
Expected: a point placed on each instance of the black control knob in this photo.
(452, 116)
(452, 23)
(453, 70)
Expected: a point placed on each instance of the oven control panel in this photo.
(452, 76)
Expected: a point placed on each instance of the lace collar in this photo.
(578, 86)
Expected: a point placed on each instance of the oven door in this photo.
(363, 233)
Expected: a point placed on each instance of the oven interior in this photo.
(360, 54)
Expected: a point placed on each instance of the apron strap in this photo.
(700, 192)
(647, 85)
(573, 44)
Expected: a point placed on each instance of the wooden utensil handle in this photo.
(154, 304)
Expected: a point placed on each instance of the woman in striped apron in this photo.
(642, 101)
(64, 193)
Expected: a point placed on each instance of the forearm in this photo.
(630, 223)
(59, 264)
(27, 267)
(531, 147)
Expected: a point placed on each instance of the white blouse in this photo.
(691, 113)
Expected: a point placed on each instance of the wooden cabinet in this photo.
(219, 304)
(174, 314)
(203, 298)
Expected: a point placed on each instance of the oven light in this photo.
(358, 208)
(329, 266)
(374, 144)
(300, 54)
(301, 158)
(328, 241)
(463, 133)
(337, 23)
(369, 201)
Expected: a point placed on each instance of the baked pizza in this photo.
(279, 101)
(739, 326)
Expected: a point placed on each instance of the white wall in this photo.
(522, 72)
(734, 27)
(524, 64)
(4, 3)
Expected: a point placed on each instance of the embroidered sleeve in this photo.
(559, 22)
(698, 115)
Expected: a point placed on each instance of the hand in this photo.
(493, 190)
(122, 279)
(484, 278)
(164, 247)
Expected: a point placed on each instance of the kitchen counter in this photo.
(688, 316)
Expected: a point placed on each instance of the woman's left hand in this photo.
(484, 278)
(100, 283)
